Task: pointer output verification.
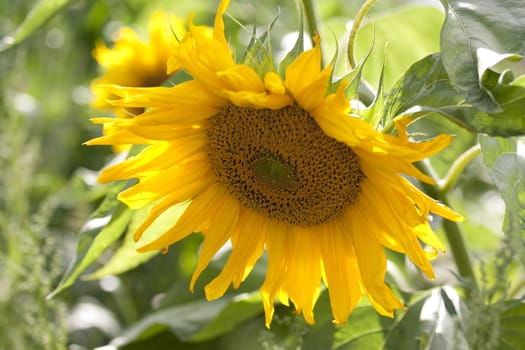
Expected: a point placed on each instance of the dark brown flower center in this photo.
(282, 165)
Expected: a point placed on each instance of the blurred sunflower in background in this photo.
(269, 163)
(134, 62)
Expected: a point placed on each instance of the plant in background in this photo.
(309, 183)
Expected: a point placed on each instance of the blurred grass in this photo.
(43, 122)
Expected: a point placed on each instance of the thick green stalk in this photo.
(458, 248)
(312, 17)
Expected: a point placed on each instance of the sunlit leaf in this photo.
(374, 113)
(166, 340)
(243, 307)
(499, 124)
(40, 13)
(425, 88)
(127, 257)
(411, 33)
(425, 83)
(194, 321)
(356, 89)
(475, 29)
(507, 169)
(183, 320)
(103, 228)
(365, 329)
(512, 324)
(434, 323)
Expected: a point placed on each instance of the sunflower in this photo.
(275, 165)
(133, 62)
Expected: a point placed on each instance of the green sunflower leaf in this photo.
(194, 321)
(365, 329)
(512, 324)
(434, 323)
(182, 320)
(39, 14)
(357, 88)
(166, 340)
(103, 228)
(477, 35)
(425, 83)
(375, 111)
(126, 257)
(242, 308)
(425, 88)
(507, 169)
(411, 33)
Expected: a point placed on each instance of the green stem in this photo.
(459, 251)
(457, 168)
(452, 232)
(355, 27)
(312, 18)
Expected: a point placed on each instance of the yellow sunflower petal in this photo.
(274, 84)
(245, 251)
(277, 232)
(243, 87)
(372, 265)
(224, 218)
(389, 164)
(309, 93)
(425, 233)
(169, 132)
(203, 56)
(163, 155)
(164, 96)
(434, 206)
(342, 127)
(258, 100)
(409, 151)
(189, 222)
(342, 273)
(241, 78)
(218, 28)
(390, 218)
(307, 64)
(117, 136)
(304, 270)
(154, 187)
(179, 115)
(156, 211)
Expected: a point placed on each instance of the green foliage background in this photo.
(106, 293)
